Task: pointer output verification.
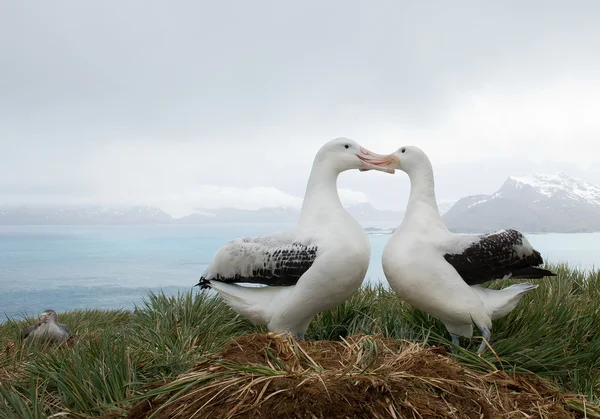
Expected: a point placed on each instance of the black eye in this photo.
(403, 150)
(347, 146)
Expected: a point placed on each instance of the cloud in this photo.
(207, 197)
(241, 98)
(556, 122)
(350, 197)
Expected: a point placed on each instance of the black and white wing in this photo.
(26, 332)
(66, 329)
(497, 255)
(278, 259)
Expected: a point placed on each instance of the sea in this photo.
(112, 267)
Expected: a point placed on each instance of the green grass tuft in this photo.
(171, 333)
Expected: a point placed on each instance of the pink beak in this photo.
(374, 161)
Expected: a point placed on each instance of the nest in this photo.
(267, 376)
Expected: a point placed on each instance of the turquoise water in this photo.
(71, 267)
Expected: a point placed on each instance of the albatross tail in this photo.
(254, 303)
(498, 303)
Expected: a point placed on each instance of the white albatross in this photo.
(311, 268)
(440, 272)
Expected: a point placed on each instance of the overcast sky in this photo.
(207, 104)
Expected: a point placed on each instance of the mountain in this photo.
(140, 215)
(531, 203)
(83, 216)
(366, 213)
(445, 205)
(234, 215)
(363, 213)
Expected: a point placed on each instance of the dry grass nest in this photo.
(267, 376)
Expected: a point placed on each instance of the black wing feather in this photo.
(494, 256)
(280, 267)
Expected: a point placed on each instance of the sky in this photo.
(198, 104)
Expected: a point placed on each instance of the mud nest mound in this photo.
(267, 376)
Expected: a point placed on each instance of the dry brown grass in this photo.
(267, 376)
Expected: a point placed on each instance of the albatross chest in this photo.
(345, 255)
(409, 265)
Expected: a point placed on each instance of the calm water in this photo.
(70, 267)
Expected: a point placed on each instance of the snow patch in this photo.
(486, 199)
(560, 183)
(481, 201)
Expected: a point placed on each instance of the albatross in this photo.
(441, 273)
(46, 330)
(311, 268)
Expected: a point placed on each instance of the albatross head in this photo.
(408, 159)
(344, 154)
(48, 316)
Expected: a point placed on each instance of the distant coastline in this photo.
(532, 204)
(144, 215)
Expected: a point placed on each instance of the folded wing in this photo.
(278, 259)
(497, 255)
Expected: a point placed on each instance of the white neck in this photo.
(422, 211)
(321, 200)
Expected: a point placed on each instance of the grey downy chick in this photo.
(46, 330)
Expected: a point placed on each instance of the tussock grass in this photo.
(117, 358)
(171, 333)
(262, 375)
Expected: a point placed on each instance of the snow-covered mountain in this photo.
(560, 185)
(139, 215)
(531, 203)
(445, 205)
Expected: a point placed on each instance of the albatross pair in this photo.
(323, 261)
